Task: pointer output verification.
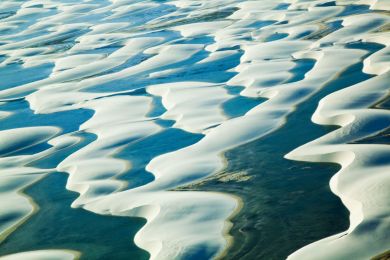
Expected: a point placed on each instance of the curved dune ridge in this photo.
(145, 68)
(43, 255)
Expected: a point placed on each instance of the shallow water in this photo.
(58, 226)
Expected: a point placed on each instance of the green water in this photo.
(57, 226)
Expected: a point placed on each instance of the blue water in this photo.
(287, 204)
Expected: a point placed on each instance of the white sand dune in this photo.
(363, 180)
(43, 255)
(117, 57)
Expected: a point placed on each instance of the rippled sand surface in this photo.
(194, 129)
